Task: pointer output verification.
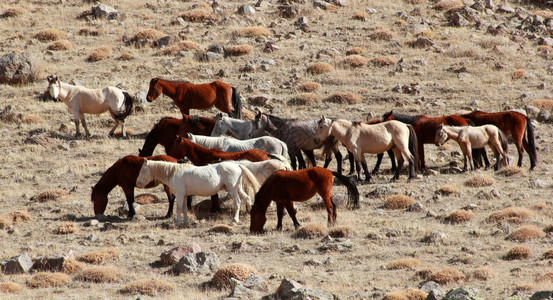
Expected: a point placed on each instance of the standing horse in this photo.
(286, 187)
(123, 173)
(473, 137)
(268, 144)
(187, 95)
(81, 100)
(230, 126)
(166, 130)
(362, 138)
(201, 181)
(512, 123)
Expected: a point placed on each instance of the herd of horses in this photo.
(260, 161)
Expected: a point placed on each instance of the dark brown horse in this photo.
(512, 123)
(187, 95)
(166, 130)
(285, 187)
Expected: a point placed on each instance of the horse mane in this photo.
(159, 122)
(356, 123)
(164, 169)
(174, 81)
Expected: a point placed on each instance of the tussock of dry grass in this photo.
(221, 278)
(66, 228)
(447, 276)
(99, 54)
(239, 50)
(146, 199)
(483, 274)
(382, 61)
(18, 216)
(548, 228)
(71, 266)
(519, 74)
(309, 86)
(459, 52)
(126, 56)
(32, 119)
(181, 46)
(342, 232)
(355, 61)
(310, 231)
(148, 34)
(149, 287)
(546, 104)
(50, 34)
(460, 216)
(303, 99)
(99, 274)
(449, 5)
(61, 45)
(360, 15)
(49, 195)
(343, 98)
(447, 190)
(355, 50)
(511, 215)
(401, 264)
(408, 294)
(10, 287)
(525, 287)
(220, 228)
(254, 31)
(382, 35)
(526, 233)
(542, 13)
(518, 252)
(421, 42)
(398, 202)
(510, 170)
(547, 277)
(99, 256)
(197, 15)
(11, 12)
(320, 68)
(480, 180)
(5, 222)
(548, 254)
(415, 1)
(46, 280)
(91, 32)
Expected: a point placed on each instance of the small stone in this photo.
(246, 10)
(544, 116)
(286, 287)
(92, 222)
(417, 206)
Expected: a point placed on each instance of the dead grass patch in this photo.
(126, 56)
(547, 277)
(342, 232)
(66, 228)
(19, 216)
(543, 13)
(99, 274)
(309, 86)
(480, 180)
(360, 16)
(548, 254)
(402, 264)
(310, 231)
(46, 280)
(447, 276)
(414, 1)
(149, 287)
(449, 5)
(91, 31)
(197, 15)
(5, 222)
(222, 277)
(61, 45)
(483, 274)
(303, 99)
(448, 190)
(32, 119)
(253, 31)
(355, 61)
(511, 215)
(426, 34)
(320, 68)
(510, 170)
(519, 74)
(408, 294)
(518, 252)
(343, 98)
(99, 256)
(71, 266)
(99, 54)
(546, 104)
(355, 50)
(460, 216)
(220, 228)
(10, 287)
(459, 52)
(398, 202)
(525, 287)
(181, 46)
(548, 228)
(148, 34)
(526, 233)
(11, 12)
(420, 43)
(383, 61)
(239, 50)
(146, 199)
(49, 195)
(49, 34)
(382, 35)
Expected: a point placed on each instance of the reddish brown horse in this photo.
(166, 130)
(123, 173)
(512, 123)
(285, 187)
(187, 95)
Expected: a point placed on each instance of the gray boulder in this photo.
(199, 262)
(461, 294)
(174, 255)
(17, 264)
(542, 295)
(16, 68)
(103, 11)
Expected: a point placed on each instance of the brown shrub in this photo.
(401, 264)
(519, 74)
(408, 294)
(458, 52)
(382, 35)
(11, 12)
(310, 231)
(126, 56)
(460, 216)
(360, 15)
(546, 104)
(181, 46)
(239, 50)
(518, 252)
(99, 274)
(510, 170)
(99, 256)
(480, 180)
(526, 233)
(91, 32)
(303, 99)
(449, 5)
(19, 216)
(61, 45)
(342, 232)
(382, 61)
(540, 206)
(343, 98)
(542, 13)
(10, 287)
(547, 277)
(146, 199)
(426, 34)
(511, 215)
(309, 86)
(254, 31)
(66, 228)
(355, 61)
(544, 51)
(483, 273)
(398, 202)
(32, 119)
(46, 279)
(548, 254)
(49, 195)
(148, 34)
(447, 190)
(222, 278)
(50, 34)
(221, 228)
(524, 287)
(320, 68)
(71, 266)
(5, 222)
(548, 228)
(355, 50)
(447, 276)
(421, 42)
(150, 287)
(197, 15)
(99, 54)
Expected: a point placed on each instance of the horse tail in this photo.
(531, 143)
(414, 146)
(236, 104)
(353, 192)
(503, 140)
(249, 180)
(128, 107)
(282, 159)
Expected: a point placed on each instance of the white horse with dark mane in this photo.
(81, 100)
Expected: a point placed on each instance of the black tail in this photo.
(531, 149)
(128, 107)
(504, 141)
(414, 147)
(353, 192)
(236, 104)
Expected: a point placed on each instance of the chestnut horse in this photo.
(187, 95)
(123, 173)
(512, 123)
(286, 187)
(166, 130)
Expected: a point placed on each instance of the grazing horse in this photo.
(187, 95)
(268, 144)
(230, 126)
(285, 187)
(512, 123)
(201, 181)
(166, 130)
(469, 137)
(81, 100)
(362, 138)
(123, 173)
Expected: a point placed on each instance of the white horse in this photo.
(81, 100)
(473, 137)
(200, 181)
(268, 144)
(230, 126)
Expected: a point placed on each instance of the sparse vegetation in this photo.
(398, 202)
(100, 274)
(518, 252)
(46, 280)
(480, 181)
(149, 287)
(526, 233)
(222, 277)
(320, 68)
(310, 231)
(343, 98)
(99, 54)
(99, 256)
(309, 86)
(50, 34)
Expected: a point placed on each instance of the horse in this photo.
(286, 187)
(201, 181)
(473, 137)
(123, 173)
(268, 144)
(81, 100)
(230, 126)
(362, 138)
(166, 130)
(512, 123)
(187, 95)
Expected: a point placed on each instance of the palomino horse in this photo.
(187, 95)
(166, 130)
(285, 187)
(230, 126)
(473, 137)
(81, 100)
(512, 123)
(123, 173)
(268, 144)
(201, 181)
(361, 138)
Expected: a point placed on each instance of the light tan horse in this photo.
(473, 137)
(361, 138)
(81, 100)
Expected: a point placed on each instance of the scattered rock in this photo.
(544, 116)
(103, 11)
(461, 294)
(174, 255)
(16, 68)
(432, 287)
(17, 264)
(197, 262)
(434, 237)
(51, 263)
(249, 288)
(542, 295)
(337, 245)
(246, 10)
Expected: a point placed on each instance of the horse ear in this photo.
(145, 160)
(189, 135)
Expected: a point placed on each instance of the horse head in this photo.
(145, 176)
(54, 86)
(323, 129)
(441, 136)
(257, 219)
(388, 116)
(154, 91)
(99, 200)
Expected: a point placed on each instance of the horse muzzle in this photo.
(438, 144)
(317, 140)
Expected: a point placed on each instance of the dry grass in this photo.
(50, 34)
(181, 46)
(548, 254)
(91, 31)
(320, 68)
(149, 287)
(99, 274)
(99, 54)
(459, 52)
(66, 228)
(449, 5)
(11, 12)
(511, 215)
(61, 45)
(398, 202)
(355, 50)
(10, 287)
(480, 180)
(99, 256)
(420, 43)
(71, 266)
(126, 56)
(343, 231)
(547, 277)
(414, 1)
(19, 216)
(548, 228)
(239, 50)
(360, 16)
(343, 98)
(355, 61)
(148, 34)
(220, 228)
(310, 231)
(400, 264)
(309, 86)
(510, 170)
(49, 195)
(383, 61)
(519, 74)
(222, 277)
(525, 287)
(460, 216)
(541, 12)
(526, 233)
(447, 190)
(32, 119)
(408, 294)
(546, 104)
(447, 276)
(147, 199)
(254, 31)
(518, 252)
(382, 35)
(46, 280)
(304, 99)
(197, 15)
(483, 274)
(5, 222)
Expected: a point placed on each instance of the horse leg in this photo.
(171, 198)
(399, 157)
(77, 120)
(289, 205)
(421, 163)
(180, 208)
(215, 207)
(84, 125)
(129, 195)
(280, 215)
(365, 169)
(301, 161)
(114, 127)
(378, 162)
(237, 201)
(392, 159)
(311, 156)
(351, 163)
(338, 156)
